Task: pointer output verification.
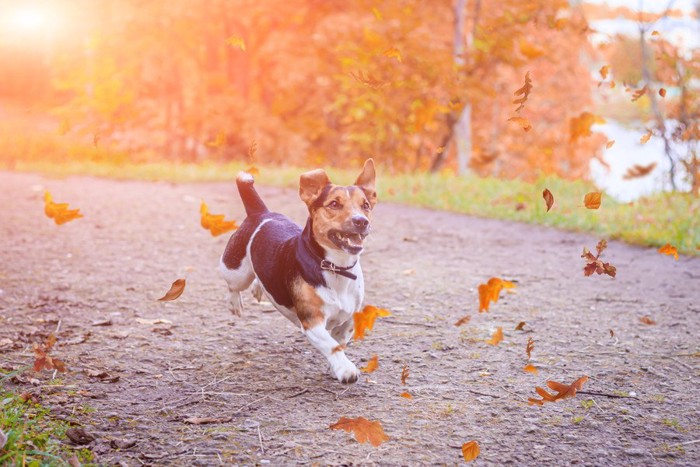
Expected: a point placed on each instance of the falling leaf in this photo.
(365, 431)
(497, 337)
(59, 212)
(645, 138)
(43, 360)
(218, 141)
(612, 333)
(215, 223)
(529, 347)
(522, 121)
(662, 92)
(404, 374)
(654, 33)
(175, 291)
(530, 368)
(609, 144)
(637, 171)
(592, 200)
(235, 41)
(393, 53)
(563, 391)
(252, 149)
(548, 198)
(406, 395)
(604, 71)
(490, 292)
(669, 249)
(520, 326)
(372, 365)
(594, 264)
(647, 320)
(636, 95)
(470, 450)
(524, 92)
(364, 320)
(253, 170)
(463, 320)
(580, 127)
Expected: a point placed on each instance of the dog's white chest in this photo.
(342, 296)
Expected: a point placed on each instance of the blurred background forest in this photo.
(419, 85)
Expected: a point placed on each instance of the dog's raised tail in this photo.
(252, 202)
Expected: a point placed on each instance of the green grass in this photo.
(653, 221)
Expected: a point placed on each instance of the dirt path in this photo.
(258, 372)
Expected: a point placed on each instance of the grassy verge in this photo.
(653, 221)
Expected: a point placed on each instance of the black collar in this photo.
(315, 250)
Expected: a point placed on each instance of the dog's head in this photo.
(340, 215)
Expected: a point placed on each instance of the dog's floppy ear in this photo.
(366, 181)
(311, 185)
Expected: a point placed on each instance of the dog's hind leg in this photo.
(235, 266)
(257, 290)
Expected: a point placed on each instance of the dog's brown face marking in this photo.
(340, 215)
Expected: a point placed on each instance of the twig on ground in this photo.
(58, 326)
(484, 394)
(408, 323)
(262, 449)
(216, 382)
(512, 393)
(251, 403)
(298, 393)
(605, 394)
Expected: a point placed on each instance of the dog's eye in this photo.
(365, 206)
(333, 205)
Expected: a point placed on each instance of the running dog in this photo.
(311, 275)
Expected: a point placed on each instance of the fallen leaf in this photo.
(497, 337)
(548, 198)
(530, 368)
(79, 436)
(215, 223)
(490, 292)
(175, 291)
(529, 347)
(520, 326)
(662, 92)
(406, 395)
(364, 320)
(670, 250)
(637, 171)
(463, 320)
(205, 420)
(59, 212)
(470, 450)
(592, 200)
(647, 320)
(564, 391)
(594, 264)
(364, 430)
(404, 374)
(612, 333)
(645, 138)
(372, 365)
(235, 41)
(522, 121)
(609, 144)
(393, 53)
(604, 71)
(639, 93)
(42, 360)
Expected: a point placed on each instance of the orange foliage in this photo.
(364, 430)
(372, 365)
(497, 337)
(175, 291)
(215, 223)
(364, 320)
(43, 360)
(490, 292)
(548, 198)
(470, 450)
(594, 264)
(593, 199)
(563, 391)
(59, 212)
(670, 250)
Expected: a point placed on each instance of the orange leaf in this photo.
(609, 144)
(463, 320)
(654, 33)
(393, 52)
(470, 450)
(522, 121)
(604, 71)
(43, 360)
(548, 198)
(523, 91)
(529, 347)
(563, 391)
(520, 326)
(219, 141)
(253, 170)
(364, 430)
(364, 320)
(404, 374)
(406, 395)
(639, 93)
(595, 264)
(490, 291)
(175, 291)
(580, 127)
(237, 42)
(647, 320)
(592, 200)
(646, 137)
(497, 337)
(215, 223)
(372, 365)
(669, 249)
(637, 171)
(530, 368)
(662, 92)
(59, 212)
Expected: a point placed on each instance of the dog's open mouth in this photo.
(351, 242)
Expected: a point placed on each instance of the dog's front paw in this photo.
(346, 372)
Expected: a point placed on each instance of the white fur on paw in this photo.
(345, 371)
(236, 303)
(257, 290)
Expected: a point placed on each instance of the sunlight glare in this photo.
(29, 18)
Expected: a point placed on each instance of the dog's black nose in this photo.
(360, 221)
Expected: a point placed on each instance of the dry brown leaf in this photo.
(604, 71)
(529, 347)
(406, 395)
(404, 374)
(670, 250)
(645, 138)
(637, 171)
(372, 365)
(364, 430)
(175, 291)
(522, 121)
(563, 391)
(639, 93)
(364, 320)
(42, 359)
(609, 144)
(548, 198)
(594, 264)
(612, 333)
(463, 320)
(580, 127)
(520, 326)
(497, 337)
(470, 450)
(662, 92)
(530, 368)
(647, 320)
(592, 200)
(524, 92)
